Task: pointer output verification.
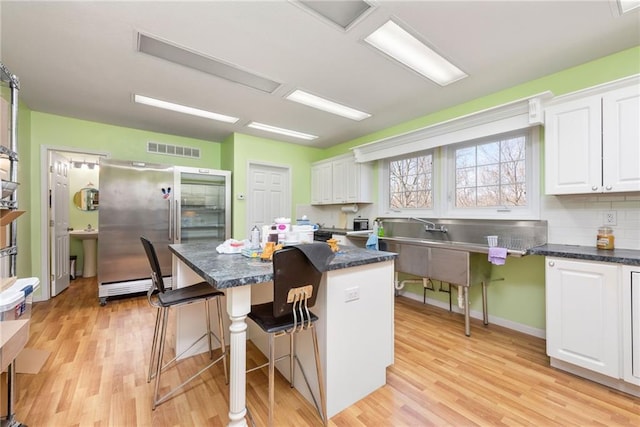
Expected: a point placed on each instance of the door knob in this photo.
(551, 263)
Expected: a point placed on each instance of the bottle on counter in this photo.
(380, 229)
(255, 237)
(605, 238)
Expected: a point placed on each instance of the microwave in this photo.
(360, 224)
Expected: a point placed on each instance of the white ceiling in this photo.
(79, 59)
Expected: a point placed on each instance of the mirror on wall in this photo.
(86, 199)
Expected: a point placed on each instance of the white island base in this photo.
(355, 307)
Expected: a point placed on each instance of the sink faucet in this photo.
(89, 227)
(430, 226)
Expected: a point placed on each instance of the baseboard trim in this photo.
(506, 323)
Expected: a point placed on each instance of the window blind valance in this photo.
(508, 117)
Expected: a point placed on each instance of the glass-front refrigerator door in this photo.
(202, 205)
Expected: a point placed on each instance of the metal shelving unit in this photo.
(7, 79)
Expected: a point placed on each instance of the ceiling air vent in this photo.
(172, 150)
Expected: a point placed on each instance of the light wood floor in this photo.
(96, 376)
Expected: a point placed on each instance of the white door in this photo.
(59, 223)
(268, 194)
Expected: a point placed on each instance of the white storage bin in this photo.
(16, 301)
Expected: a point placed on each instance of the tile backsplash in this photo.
(574, 219)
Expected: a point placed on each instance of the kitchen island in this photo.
(355, 326)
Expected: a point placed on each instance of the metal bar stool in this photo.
(296, 279)
(164, 299)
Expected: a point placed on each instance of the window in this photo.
(491, 173)
(493, 177)
(411, 182)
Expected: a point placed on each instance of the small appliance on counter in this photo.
(360, 224)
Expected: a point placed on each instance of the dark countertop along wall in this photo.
(588, 253)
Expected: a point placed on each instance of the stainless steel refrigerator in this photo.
(166, 204)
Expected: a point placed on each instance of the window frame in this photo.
(532, 182)
(385, 177)
(443, 182)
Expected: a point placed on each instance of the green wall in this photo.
(603, 70)
(518, 298)
(46, 130)
(248, 149)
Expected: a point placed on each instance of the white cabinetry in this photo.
(341, 180)
(591, 142)
(583, 315)
(321, 183)
(631, 323)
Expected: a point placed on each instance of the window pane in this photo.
(514, 195)
(495, 169)
(466, 177)
(410, 182)
(513, 149)
(488, 196)
(488, 175)
(465, 157)
(466, 197)
(488, 153)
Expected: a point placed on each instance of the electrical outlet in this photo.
(351, 294)
(610, 218)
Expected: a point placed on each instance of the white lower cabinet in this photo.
(583, 314)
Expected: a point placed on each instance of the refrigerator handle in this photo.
(170, 222)
(177, 224)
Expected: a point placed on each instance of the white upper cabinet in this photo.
(621, 140)
(321, 183)
(341, 180)
(592, 144)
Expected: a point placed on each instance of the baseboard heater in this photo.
(106, 290)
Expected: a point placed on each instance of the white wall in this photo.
(331, 216)
(574, 219)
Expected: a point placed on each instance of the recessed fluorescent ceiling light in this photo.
(198, 61)
(342, 13)
(405, 48)
(281, 131)
(184, 109)
(326, 105)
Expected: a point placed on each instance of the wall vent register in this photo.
(172, 150)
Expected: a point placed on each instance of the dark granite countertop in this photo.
(589, 253)
(229, 270)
